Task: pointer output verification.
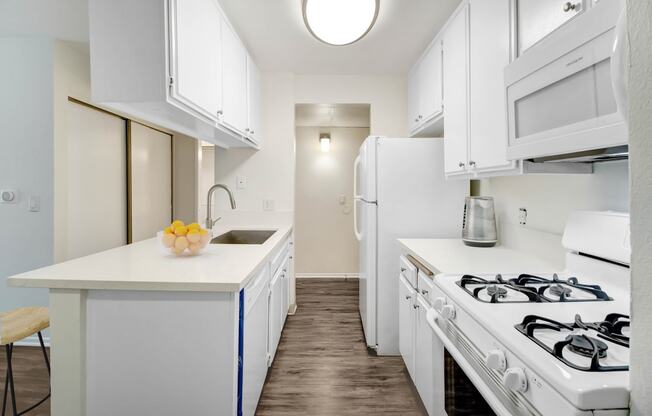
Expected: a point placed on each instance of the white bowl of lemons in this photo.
(181, 239)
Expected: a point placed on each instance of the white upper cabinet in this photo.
(254, 102)
(196, 55)
(430, 78)
(234, 81)
(177, 64)
(456, 127)
(425, 93)
(489, 54)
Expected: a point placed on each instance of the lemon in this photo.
(168, 230)
(203, 231)
(193, 236)
(181, 243)
(168, 240)
(194, 226)
(181, 230)
(177, 223)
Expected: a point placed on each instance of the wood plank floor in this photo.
(322, 366)
(30, 379)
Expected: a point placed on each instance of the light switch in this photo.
(342, 199)
(8, 196)
(34, 203)
(241, 182)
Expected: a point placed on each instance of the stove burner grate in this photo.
(535, 288)
(609, 330)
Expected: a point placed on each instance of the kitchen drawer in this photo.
(425, 285)
(255, 288)
(280, 257)
(409, 271)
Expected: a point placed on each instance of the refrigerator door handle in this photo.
(356, 198)
(356, 164)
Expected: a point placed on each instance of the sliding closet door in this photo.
(94, 197)
(151, 181)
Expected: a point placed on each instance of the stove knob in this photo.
(514, 379)
(496, 360)
(438, 304)
(448, 312)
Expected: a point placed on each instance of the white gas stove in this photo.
(542, 344)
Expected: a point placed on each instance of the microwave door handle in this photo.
(619, 65)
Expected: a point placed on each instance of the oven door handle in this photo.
(478, 382)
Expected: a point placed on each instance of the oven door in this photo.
(561, 94)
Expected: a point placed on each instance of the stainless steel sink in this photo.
(243, 237)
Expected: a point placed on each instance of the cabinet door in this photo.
(430, 82)
(456, 93)
(254, 101)
(424, 351)
(285, 291)
(536, 19)
(234, 75)
(413, 98)
(489, 54)
(196, 55)
(406, 323)
(275, 313)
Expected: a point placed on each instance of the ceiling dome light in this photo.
(340, 22)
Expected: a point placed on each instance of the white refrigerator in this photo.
(400, 192)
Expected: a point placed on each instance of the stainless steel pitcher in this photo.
(479, 224)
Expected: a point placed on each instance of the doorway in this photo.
(328, 137)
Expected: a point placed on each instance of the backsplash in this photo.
(549, 199)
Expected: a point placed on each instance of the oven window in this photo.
(461, 396)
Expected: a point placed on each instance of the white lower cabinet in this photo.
(424, 378)
(275, 313)
(254, 358)
(406, 318)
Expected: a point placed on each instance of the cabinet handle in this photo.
(424, 292)
(408, 297)
(252, 132)
(420, 116)
(472, 163)
(247, 129)
(220, 112)
(415, 306)
(461, 164)
(568, 6)
(291, 257)
(403, 269)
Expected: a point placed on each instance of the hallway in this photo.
(322, 366)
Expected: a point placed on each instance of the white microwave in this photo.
(566, 94)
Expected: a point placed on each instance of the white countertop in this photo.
(453, 256)
(146, 266)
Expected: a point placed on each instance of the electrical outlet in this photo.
(522, 216)
(268, 205)
(8, 196)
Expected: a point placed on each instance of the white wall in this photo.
(206, 179)
(26, 163)
(60, 19)
(640, 145)
(324, 238)
(270, 171)
(549, 199)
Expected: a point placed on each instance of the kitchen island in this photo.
(137, 331)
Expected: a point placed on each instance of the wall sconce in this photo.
(325, 142)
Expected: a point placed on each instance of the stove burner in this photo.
(585, 346)
(609, 330)
(534, 288)
(561, 291)
(494, 290)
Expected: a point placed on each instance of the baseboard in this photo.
(33, 341)
(327, 275)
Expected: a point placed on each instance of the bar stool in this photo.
(14, 326)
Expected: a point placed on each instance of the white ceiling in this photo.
(274, 32)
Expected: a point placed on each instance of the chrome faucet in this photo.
(209, 219)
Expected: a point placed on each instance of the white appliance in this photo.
(540, 344)
(400, 190)
(567, 94)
